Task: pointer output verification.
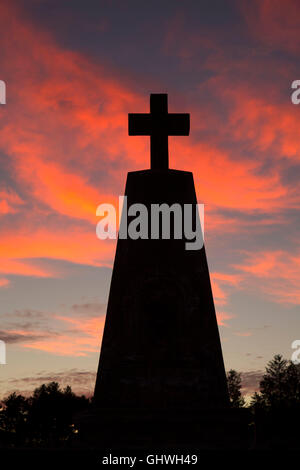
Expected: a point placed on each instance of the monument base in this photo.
(178, 428)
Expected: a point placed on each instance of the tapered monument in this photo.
(161, 367)
(161, 344)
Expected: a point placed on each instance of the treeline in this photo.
(279, 387)
(46, 418)
(275, 409)
(43, 419)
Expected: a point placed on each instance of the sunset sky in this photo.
(73, 71)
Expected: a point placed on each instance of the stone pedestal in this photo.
(161, 380)
(161, 346)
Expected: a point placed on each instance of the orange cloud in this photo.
(278, 272)
(72, 336)
(65, 132)
(4, 282)
(251, 122)
(229, 184)
(65, 192)
(222, 317)
(18, 251)
(220, 284)
(84, 339)
(65, 123)
(9, 202)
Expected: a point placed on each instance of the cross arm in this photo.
(178, 124)
(139, 124)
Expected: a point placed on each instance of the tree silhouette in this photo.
(14, 417)
(277, 406)
(280, 385)
(234, 383)
(45, 418)
(51, 410)
(257, 402)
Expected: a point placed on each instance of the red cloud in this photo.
(278, 272)
(274, 22)
(4, 282)
(65, 133)
(10, 202)
(75, 245)
(222, 317)
(85, 338)
(220, 284)
(82, 339)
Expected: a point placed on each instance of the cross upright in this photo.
(159, 124)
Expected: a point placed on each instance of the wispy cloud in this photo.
(81, 381)
(77, 333)
(279, 272)
(4, 282)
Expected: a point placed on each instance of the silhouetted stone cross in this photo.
(159, 124)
